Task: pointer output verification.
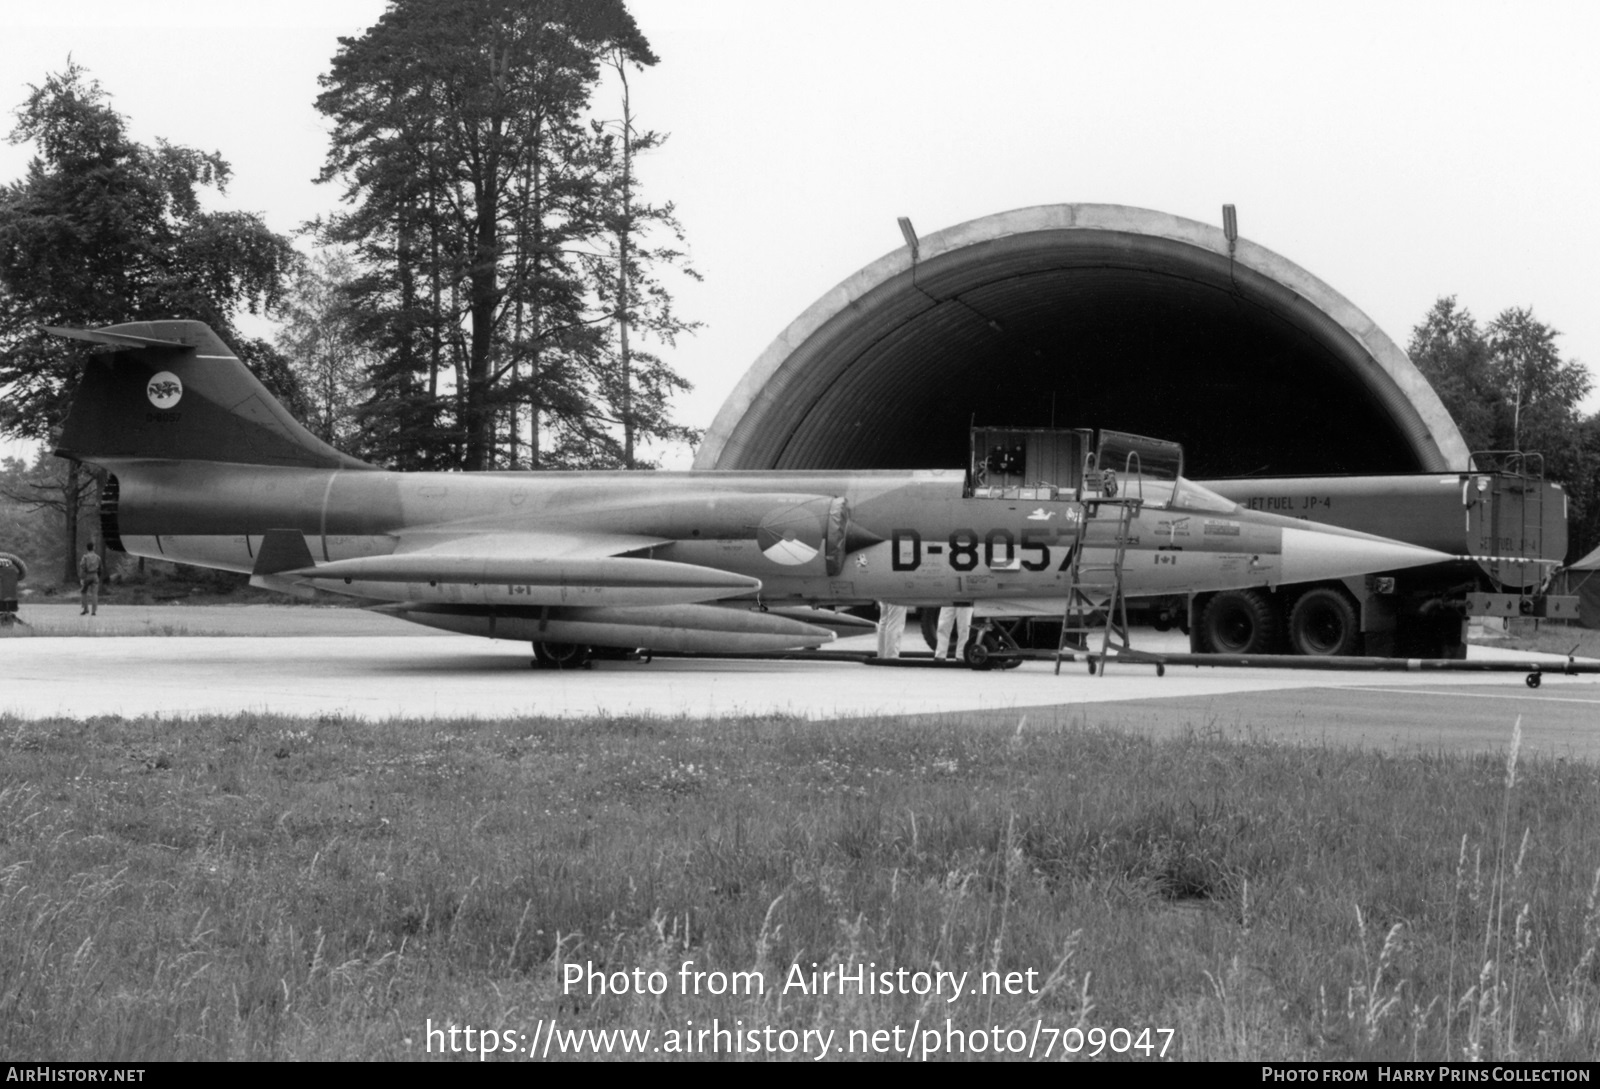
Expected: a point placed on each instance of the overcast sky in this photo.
(1399, 152)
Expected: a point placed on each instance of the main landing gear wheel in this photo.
(1533, 680)
(1240, 622)
(560, 656)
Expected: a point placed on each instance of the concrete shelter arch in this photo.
(1085, 315)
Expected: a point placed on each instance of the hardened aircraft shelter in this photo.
(1085, 315)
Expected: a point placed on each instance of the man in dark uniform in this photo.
(89, 581)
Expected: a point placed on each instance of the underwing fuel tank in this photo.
(698, 629)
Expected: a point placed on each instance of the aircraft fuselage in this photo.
(917, 539)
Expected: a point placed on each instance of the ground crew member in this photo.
(958, 617)
(891, 626)
(89, 581)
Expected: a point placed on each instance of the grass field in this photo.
(1554, 639)
(323, 889)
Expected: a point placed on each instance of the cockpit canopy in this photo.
(1035, 464)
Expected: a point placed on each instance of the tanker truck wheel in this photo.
(1240, 622)
(561, 655)
(1324, 623)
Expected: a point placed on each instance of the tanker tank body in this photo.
(1505, 524)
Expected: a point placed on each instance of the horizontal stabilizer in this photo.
(113, 339)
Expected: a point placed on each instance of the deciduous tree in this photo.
(1453, 355)
(103, 230)
(319, 337)
(1508, 388)
(22, 531)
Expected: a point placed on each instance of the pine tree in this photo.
(637, 384)
(476, 193)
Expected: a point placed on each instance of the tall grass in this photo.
(261, 887)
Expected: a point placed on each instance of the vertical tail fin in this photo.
(173, 390)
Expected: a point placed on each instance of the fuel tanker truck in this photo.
(1504, 523)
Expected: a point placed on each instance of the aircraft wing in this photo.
(537, 568)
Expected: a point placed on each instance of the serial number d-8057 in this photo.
(964, 549)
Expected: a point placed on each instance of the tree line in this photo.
(505, 265)
(1508, 388)
(492, 294)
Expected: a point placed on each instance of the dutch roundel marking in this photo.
(165, 390)
(790, 552)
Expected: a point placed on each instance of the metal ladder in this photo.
(1079, 617)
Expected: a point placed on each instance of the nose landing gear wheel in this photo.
(987, 647)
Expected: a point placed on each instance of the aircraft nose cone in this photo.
(1309, 555)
